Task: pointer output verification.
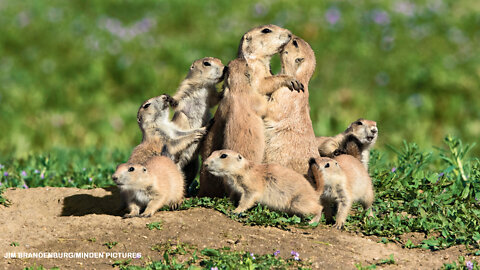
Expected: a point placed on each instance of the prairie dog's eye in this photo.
(239, 157)
(295, 44)
(223, 156)
(299, 60)
(146, 105)
(359, 123)
(144, 169)
(327, 165)
(207, 64)
(131, 169)
(266, 31)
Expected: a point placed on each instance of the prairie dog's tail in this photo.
(316, 175)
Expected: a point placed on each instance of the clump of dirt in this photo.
(79, 220)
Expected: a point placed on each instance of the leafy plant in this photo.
(110, 245)
(155, 225)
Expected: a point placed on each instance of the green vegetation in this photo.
(110, 245)
(222, 258)
(73, 74)
(155, 225)
(390, 260)
(462, 265)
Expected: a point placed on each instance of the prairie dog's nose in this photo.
(115, 178)
(374, 130)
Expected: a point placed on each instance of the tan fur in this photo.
(356, 140)
(345, 181)
(290, 139)
(238, 121)
(158, 131)
(194, 97)
(277, 187)
(153, 186)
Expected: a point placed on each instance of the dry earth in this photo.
(64, 219)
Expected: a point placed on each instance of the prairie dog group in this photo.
(158, 130)
(238, 123)
(277, 187)
(150, 186)
(345, 181)
(356, 141)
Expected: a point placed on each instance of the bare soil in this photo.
(68, 219)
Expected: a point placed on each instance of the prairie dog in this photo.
(345, 181)
(277, 187)
(158, 130)
(289, 136)
(238, 120)
(153, 185)
(356, 140)
(194, 97)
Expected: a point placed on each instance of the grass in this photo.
(436, 193)
(185, 256)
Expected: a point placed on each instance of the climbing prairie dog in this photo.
(238, 120)
(289, 136)
(345, 181)
(356, 141)
(196, 94)
(154, 185)
(277, 187)
(158, 130)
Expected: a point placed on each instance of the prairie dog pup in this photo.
(154, 185)
(238, 120)
(289, 135)
(356, 140)
(275, 186)
(195, 96)
(158, 130)
(345, 181)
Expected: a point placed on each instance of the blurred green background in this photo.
(73, 73)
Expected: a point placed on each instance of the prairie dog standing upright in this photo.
(158, 130)
(356, 141)
(154, 185)
(238, 121)
(289, 135)
(195, 96)
(277, 187)
(345, 181)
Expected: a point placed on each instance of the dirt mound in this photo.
(78, 220)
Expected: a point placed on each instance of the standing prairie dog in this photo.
(238, 121)
(356, 141)
(158, 130)
(344, 181)
(153, 185)
(195, 96)
(277, 187)
(289, 136)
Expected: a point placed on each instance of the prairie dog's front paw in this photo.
(294, 84)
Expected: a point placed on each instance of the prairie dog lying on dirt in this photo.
(154, 185)
(356, 141)
(158, 130)
(345, 180)
(277, 187)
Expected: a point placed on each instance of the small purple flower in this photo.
(295, 255)
(214, 268)
(276, 253)
(1, 184)
(36, 171)
(5, 174)
(24, 174)
(90, 179)
(394, 169)
(42, 176)
(441, 174)
(469, 265)
(380, 17)
(25, 186)
(333, 15)
(252, 255)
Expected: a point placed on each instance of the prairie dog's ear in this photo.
(139, 119)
